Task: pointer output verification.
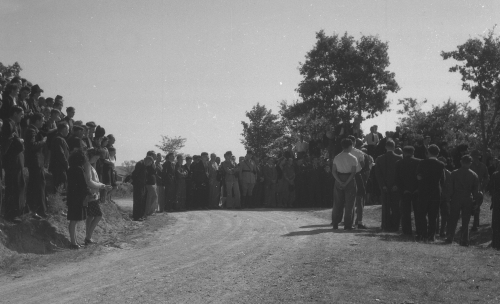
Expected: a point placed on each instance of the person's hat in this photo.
(59, 97)
(70, 109)
(36, 89)
(91, 124)
(475, 153)
(77, 128)
(99, 132)
(49, 99)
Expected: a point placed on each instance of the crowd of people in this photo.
(340, 168)
(46, 151)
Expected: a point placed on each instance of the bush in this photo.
(123, 190)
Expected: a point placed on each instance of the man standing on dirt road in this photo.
(406, 179)
(385, 171)
(463, 192)
(343, 170)
(139, 177)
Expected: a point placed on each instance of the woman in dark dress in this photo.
(77, 193)
(180, 185)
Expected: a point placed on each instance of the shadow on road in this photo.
(316, 226)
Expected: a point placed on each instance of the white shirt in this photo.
(360, 156)
(301, 146)
(344, 162)
(372, 139)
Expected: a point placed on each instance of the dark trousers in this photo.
(60, 179)
(169, 196)
(479, 202)
(344, 199)
(408, 203)
(427, 211)
(35, 196)
(201, 196)
(391, 215)
(460, 206)
(139, 204)
(15, 200)
(443, 216)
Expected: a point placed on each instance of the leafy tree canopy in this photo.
(171, 144)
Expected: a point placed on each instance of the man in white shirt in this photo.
(344, 169)
(360, 184)
(372, 141)
(301, 148)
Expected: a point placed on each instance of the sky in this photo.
(142, 69)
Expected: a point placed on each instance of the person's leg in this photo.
(466, 208)
(250, 190)
(244, 191)
(433, 212)
(475, 224)
(350, 200)
(453, 220)
(229, 195)
(445, 214)
(406, 213)
(160, 193)
(91, 226)
(495, 223)
(236, 192)
(72, 232)
(337, 207)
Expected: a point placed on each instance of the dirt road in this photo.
(251, 256)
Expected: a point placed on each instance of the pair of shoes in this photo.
(348, 228)
(361, 226)
(74, 246)
(335, 227)
(36, 216)
(87, 242)
(473, 229)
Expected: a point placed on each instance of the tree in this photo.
(479, 64)
(10, 70)
(264, 131)
(452, 122)
(129, 166)
(344, 78)
(171, 144)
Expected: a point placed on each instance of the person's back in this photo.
(432, 176)
(406, 174)
(464, 184)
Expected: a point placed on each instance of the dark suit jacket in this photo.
(7, 103)
(200, 175)
(406, 174)
(139, 175)
(433, 178)
(168, 176)
(385, 169)
(420, 152)
(59, 153)
(12, 148)
(33, 157)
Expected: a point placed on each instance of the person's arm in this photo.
(353, 173)
(88, 179)
(30, 140)
(335, 175)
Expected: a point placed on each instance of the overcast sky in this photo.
(192, 68)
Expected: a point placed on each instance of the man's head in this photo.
(390, 145)
(55, 115)
(408, 151)
(249, 154)
(475, 154)
(204, 156)
(77, 131)
(433, 150)
(352, 139)
(213, 157)
(70, 111)
(37, 120)
(46, 112)
(170, 156)
(58, 104)
(375, 128)
(158, 158)
(49, 101)
(112, 152)
(151, 153)
(346, 144)
(91, 125)
(196, 158)
(189, 160)
(63, 129)
(148, 161)
(227, 155)
(217, 160)
(241, 159)
(466, 161)
(36, 91)
(16, 113)
(180, 159)
(24, 93)
(111, 139)
(398, 129)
